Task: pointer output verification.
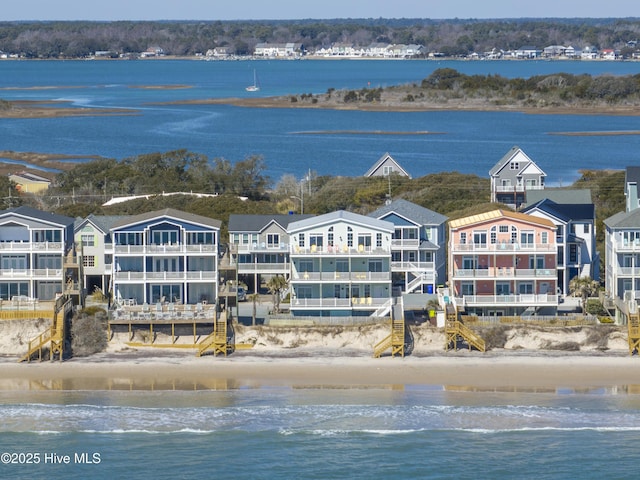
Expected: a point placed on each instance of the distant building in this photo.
(385, 166)
(513, 176)
(29, 182)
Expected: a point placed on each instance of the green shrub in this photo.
(88, 334)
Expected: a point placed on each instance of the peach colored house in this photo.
(503, 263)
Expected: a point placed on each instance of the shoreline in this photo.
(459, 371)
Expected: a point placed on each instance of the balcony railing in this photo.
(516, 188)
(177, 276)
(628, 271)
(405, 242)
(37, 273)
(355, 302)
(341, 276)
(31, 246)
(339, 251)
(412, 266)
(260, 247)
(508, 300)
(263, 267)
(159, 249)
(505, 272)
(627, 245)
(503, 247)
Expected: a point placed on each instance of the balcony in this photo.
(314, 277)
(20, 246)
(337, 251)
(365, 303)
(263, 268)
(628, 271)
(32, 274)
(505, 272)
(416, 267)
(626, 246)
(508, 300)
(516, 188)
(503, 247)
(405, 243)
(161, 249)
(165, 276)
(259, 248)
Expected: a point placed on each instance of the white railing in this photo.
(356, 302)
(263, 267)
(626, 245)
(628, 271)
(180, 276)
(503, 247)
(339, 251)
(517, 188)
(504, 300)
(412, 266)
(154, 249)
(504, 272)
(342, 276)
(48, 273)
(32, 246)
(260, 247)
(405, 242)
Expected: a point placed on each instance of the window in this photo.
(349, 237)
(203, 238)
(14, 262)
(480, 238)
(301, 240)
(304, 292)
(526, 238)
(467, 288)
(89, 261)
(330, 237)
(525, 288)
(316, 239)
(531, 183)
(514, 166)
(273, 240)
(306, 266)
(463, 238)
(387, 170)
(544, 238)
(586, 228)
(503, 288)
(378, 240)
(504, 229)
(164, 237)
(573, 253)
(494, 235)
(364, 240)
(514, 234)
(342, 265)
(88, 240)
(375, 265)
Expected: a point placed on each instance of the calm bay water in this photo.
(469, 142)
(362, 433)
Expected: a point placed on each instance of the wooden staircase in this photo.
(395, 340)
(54, 336)
(634, 332)
(216, 342)
(455, 330)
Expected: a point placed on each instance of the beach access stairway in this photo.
(217, 341)
(457, 331)
(633, 325)
(395, 340)
(54, 337)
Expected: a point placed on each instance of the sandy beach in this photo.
(181, 371)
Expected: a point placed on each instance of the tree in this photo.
(254, 298)
(276, 286)
(584, 287)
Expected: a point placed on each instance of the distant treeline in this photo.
(450, 37)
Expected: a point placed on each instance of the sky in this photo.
(108, 10)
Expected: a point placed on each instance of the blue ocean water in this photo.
(404, 432)
(469, 142)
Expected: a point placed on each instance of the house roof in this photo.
(167, 212)
(560, 195)
(383, 159)
(515, 151)
(565, 211)
(631, 175)
(410, 211)
(30, 177)
(348, 217)
(624, 219)
(104, 223)
(498, 214)
(257, 223)
(29, 212)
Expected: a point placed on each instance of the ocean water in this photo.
(400, 432)
(288, 139)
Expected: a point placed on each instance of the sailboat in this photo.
(254, 87)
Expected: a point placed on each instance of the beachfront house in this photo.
(259, 247)
(418, 244)
(503, 263)
(94, 234)
(385, 166)
(340, 265)
(38, 258)
(575, 222)
(513, 176)
(165, 256)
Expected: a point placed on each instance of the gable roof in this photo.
(102, 222)
(498, 214)
(410, 211)
(167, 212)
(348, 217)
(29, 212)
(565, 211)
(515, 153)
(257, 223)
(631, 175)
(624, 219)
(560, 195)
(381, 161)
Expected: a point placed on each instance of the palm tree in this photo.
(276, 285)
(584, 287)
(255, 299)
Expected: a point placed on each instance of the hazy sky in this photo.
(295, 9)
